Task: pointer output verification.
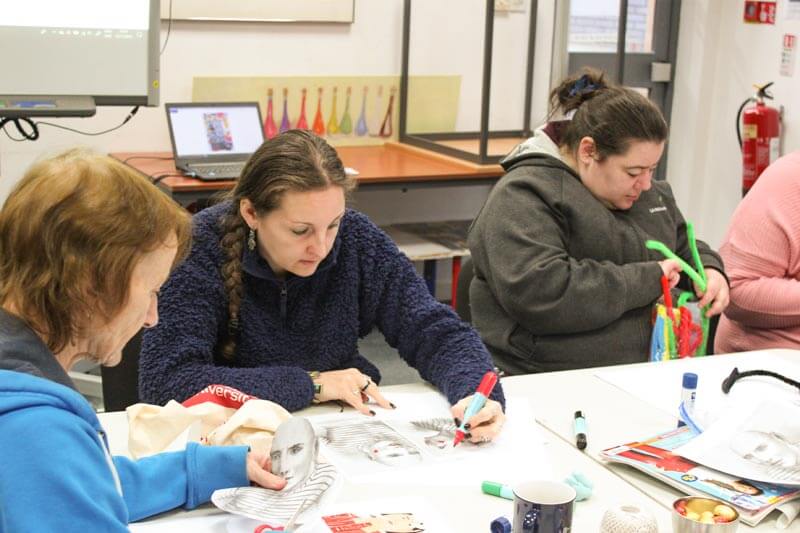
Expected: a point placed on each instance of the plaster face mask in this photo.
(294, 452)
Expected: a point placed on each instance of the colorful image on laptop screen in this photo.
(215, 129)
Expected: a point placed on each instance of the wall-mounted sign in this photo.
(758, 12)
(788, 52)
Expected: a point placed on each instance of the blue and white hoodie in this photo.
(57, 473)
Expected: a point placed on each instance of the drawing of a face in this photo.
(392, 453)
(294, 451)
(769, 449)
(440, 441)
(445, 431)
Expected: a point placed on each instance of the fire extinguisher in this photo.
(761, 126)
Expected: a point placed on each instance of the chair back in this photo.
(462, 289)
(121, 382)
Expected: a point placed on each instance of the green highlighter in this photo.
(497, 489)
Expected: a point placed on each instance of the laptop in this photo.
(212, 141)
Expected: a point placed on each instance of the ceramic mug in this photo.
(543, 507)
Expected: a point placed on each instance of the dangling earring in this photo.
(251, 240)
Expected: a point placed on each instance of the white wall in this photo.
(719, 58)
(370, 46)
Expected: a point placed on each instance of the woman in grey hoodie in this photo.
(563, 279)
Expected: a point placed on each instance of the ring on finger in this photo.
(356, 392)
(367, 384)
(485, 438)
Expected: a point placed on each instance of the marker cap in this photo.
(689, 380)
(500, 525)
(492, 488)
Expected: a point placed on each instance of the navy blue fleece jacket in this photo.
(288, 327)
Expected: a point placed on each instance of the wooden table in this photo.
(392, 165)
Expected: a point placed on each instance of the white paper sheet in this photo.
(659, 384)
(516, 454)
(762, 444)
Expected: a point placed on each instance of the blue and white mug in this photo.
(543, 507)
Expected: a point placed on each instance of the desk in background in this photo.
(391, 166)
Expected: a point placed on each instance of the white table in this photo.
(466, 508)
(615, 417)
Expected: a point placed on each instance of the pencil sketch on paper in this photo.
(776, 454)
(762, 444)
(295, 457)
(444, 431)
(369, 441)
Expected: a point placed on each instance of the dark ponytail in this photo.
(611, 115)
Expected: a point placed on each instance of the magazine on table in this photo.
(753, 499)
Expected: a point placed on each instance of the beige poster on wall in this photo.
(346, 110)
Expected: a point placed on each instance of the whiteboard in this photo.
(261, 10)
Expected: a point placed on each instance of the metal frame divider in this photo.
(428, 140)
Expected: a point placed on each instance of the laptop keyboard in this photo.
(218, 170)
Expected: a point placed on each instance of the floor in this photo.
(394, 370)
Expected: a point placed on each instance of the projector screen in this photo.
(107, 49)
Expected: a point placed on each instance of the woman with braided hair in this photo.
(281, 282)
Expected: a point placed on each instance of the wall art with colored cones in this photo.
(346, 110)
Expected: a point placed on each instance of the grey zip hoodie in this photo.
(561, 281)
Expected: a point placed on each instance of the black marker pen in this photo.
(579, 428)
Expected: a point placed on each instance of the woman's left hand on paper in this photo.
(258, 471)
(353, 387)
(484, 425)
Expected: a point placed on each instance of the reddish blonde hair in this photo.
(71, 233)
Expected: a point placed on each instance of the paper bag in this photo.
(218, 416)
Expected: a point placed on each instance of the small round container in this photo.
(685, 524)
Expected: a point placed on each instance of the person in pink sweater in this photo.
(762, 259)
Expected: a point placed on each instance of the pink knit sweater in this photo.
(762, 260)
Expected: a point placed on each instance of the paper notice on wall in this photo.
(788, 51)
(793, 10)
(758, 12)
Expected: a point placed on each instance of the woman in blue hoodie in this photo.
(85, 245)
(281, 282)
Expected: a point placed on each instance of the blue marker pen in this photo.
(476, 404)
(688, 393)
(579, 428)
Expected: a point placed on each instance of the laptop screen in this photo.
(209, 130)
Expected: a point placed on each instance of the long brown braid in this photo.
(296, 160)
